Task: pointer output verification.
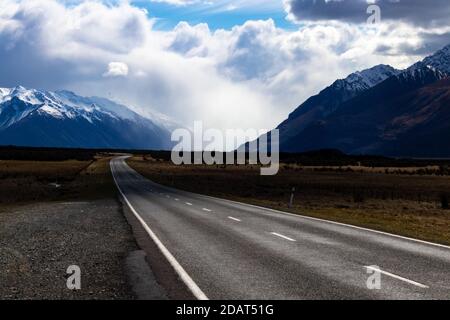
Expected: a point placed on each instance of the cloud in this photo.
(177, 2)
(250, 76)
(116, 69)
(70, 47)
(225, 5)
(187, 38)
(419, 12)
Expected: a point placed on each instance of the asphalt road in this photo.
(229, 250)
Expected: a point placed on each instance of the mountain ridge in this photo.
(355, 125)
(329, 99)
(30, 117)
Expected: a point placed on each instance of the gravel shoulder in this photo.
(39, 242)
(44, 230)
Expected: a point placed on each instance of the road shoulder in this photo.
(39, 242)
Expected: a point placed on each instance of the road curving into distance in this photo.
(228, 250)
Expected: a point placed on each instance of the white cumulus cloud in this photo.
(116, 69)
(250, 76)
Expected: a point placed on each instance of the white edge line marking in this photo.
(207, 210)
(284, 237)
(397, 277)
(188, 203)
(235, 219)
(193, 287)
(307, 217)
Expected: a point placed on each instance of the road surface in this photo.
(228, 250)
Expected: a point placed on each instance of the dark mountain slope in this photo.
(390, 119)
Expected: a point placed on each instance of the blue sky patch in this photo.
(220, 15)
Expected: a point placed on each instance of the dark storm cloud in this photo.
(417, 12)
(25, 62)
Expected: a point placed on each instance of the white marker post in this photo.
(291, 201)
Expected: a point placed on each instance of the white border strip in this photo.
(193, 287)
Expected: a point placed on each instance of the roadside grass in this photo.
(23, 182)
(94, 182)
(404, 203)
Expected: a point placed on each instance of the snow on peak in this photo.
(440, 60)
(377, 74)
(365, 79)
(30, 96)
(420, 70)
(4, 92)
(51, 111)
(62, 105)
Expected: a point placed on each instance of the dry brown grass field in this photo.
(402, 201)
(30, 181)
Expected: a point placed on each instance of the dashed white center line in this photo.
(284, 237)
(188, 203)
(177, 199)
(207, 210)
(168, 197)
(235, 219)
(396, 277)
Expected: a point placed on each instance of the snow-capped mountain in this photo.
(433, 68)
(379, 111)
(32, 117)
(440, 60)
(331, 98)
(366, 79)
